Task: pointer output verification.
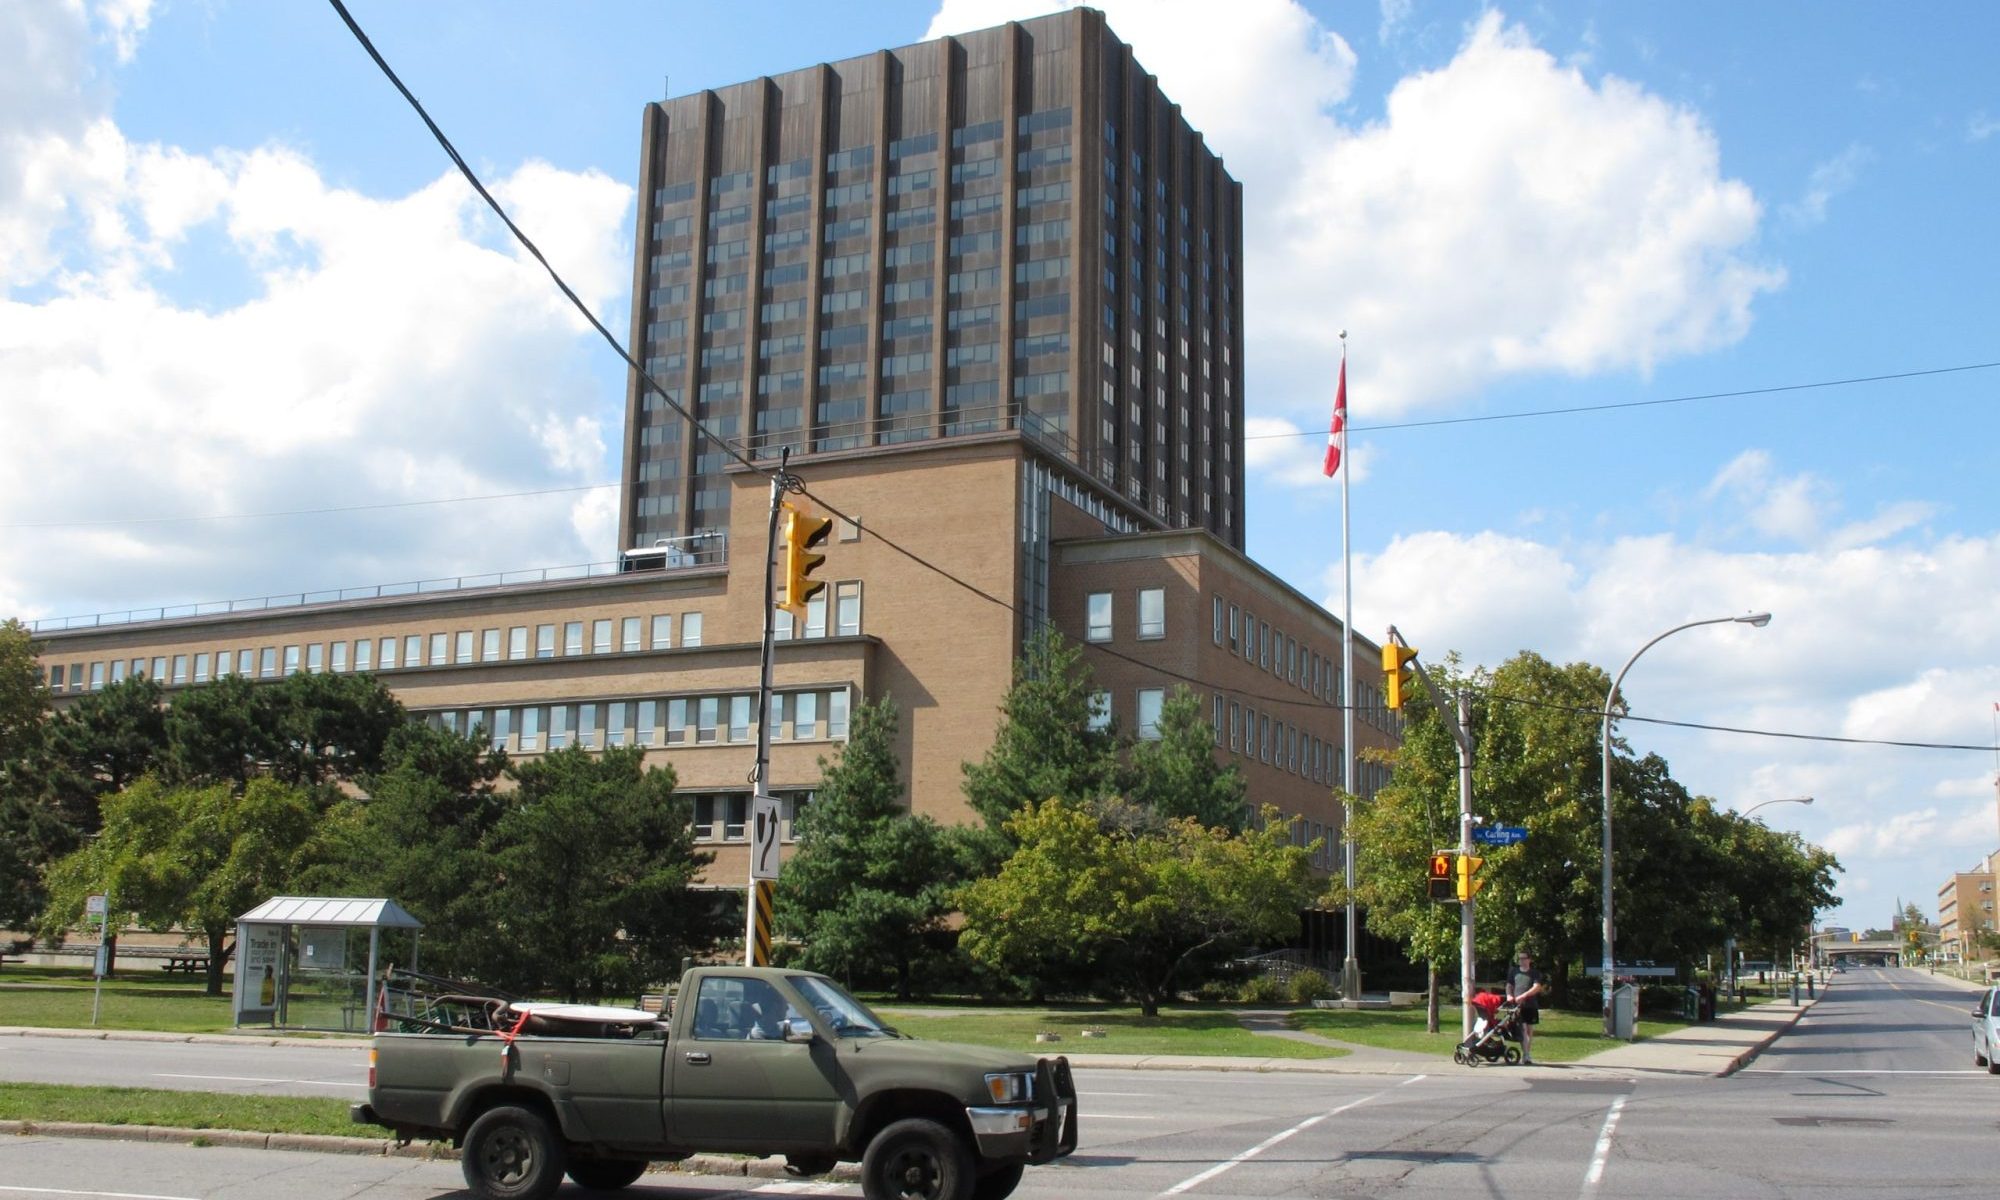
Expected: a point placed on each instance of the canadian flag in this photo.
(1333, 438)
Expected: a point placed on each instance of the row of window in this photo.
(1258, 737)
(1290, 660)
(386, 654)
(1100, 623)
(460, 647)
(795, 716)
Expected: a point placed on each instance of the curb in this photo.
(1742, 1060)
(322, 1143)
(208, 1039)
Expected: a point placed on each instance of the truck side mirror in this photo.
(798, 1029)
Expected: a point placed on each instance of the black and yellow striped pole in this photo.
(760, 940)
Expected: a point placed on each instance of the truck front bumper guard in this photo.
(1040, 1131)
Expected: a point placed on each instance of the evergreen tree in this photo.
(1178, 774)
(868, 888)
(1046, 744)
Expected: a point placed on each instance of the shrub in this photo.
(1264, 989)
(1308, 986)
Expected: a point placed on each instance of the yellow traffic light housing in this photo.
(1468, 871)
(1396, 673)
(1442, 885)
(801, 531)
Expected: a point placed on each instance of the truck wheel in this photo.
(511, 1154)
(999, 1183)
(605, 1174)
(916, 1159)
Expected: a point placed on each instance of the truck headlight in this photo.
(1012, 1088)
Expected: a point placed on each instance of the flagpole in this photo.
(1350, 969)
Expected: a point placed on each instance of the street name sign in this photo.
(1500, 835)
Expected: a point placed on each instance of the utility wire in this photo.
(1289, 701)
(1598, 713)
(1623, 404)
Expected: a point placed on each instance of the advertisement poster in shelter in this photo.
(258, 971)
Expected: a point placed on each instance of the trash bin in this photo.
(1691, 1004)
(1624, 1011)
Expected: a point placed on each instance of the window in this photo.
(1264, 739)
(1150, 700)
(545, 641)
(413, 650)
(531, 729)
(1233, 642)
(96, 676)
(734, 812)
(1264, 644)
(1097, 620)
(517, 642)
(246, 659)
(1249, 636)
(558, 726)
(614, 723)
(1152, 613)
(847, 609)
(363, 654)
(1100, 710)
(441, 649)
(677, 720)
(586, 726)
(805, 715)
(707, 710)
(782, 625)
(775, 719)
(315, 658)
(836, 713)
(739, 718)
(691, 629)
(663, 631)
(1218, 620)
(1235, 727)
(267, 662)
(386, 658)
(816, 616)
(336, 659)
(647, 731)
(56, 678)
(1216, 720)
(462, 646)
(600, 637)
(180, 669)
(629, 634)
(573, 637)
(489, 645)
(200, 666)
(291, 660)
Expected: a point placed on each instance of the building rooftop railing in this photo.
(698, 550)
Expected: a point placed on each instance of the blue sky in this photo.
(236, 277)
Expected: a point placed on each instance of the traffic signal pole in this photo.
(1460, 724)
(754, 895)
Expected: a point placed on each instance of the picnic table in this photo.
(186, 964)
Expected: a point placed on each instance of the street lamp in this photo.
(1780, 800)
(1610, 974)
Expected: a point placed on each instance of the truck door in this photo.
(737, 1084)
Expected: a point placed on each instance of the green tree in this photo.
(26, 825)
(1148, 914)
(1178, 775)
(416, 832)
(592, 863)
(869, 887)
(308, 728)
(102, 743)
(1046, 744)
(196, 857)
(24, 697)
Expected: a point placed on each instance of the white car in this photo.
(1986, 1031)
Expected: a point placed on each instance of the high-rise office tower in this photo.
(1011, 232)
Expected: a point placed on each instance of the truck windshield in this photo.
(848, 1016)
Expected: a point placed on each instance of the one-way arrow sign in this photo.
(1499, 835)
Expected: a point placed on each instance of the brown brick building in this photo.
(1016, 442)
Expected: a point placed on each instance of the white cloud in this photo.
(1828, 179)
(1507, 215)
(383, 350)
(1879, 641)
(1980, 126)
(1277, 451)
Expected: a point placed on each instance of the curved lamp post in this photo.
(1610, 975)
(1780, 800)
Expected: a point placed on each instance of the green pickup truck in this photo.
(760, 1061)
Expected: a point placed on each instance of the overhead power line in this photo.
(967, 585)
(1774, 389)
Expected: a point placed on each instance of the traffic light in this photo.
(800, 532)
(1443, 886)
(1468, 870)
(1396, 671)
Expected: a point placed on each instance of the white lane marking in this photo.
(35, 1191)
(1195, 1181)
(1602, 1154)
(798, 1187)
(1860, 1071)
(1119, 1117)
(259, 1079)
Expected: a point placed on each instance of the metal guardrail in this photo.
(697, 550)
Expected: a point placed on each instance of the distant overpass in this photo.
(1886, 952)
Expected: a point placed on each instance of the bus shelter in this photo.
(314, 962)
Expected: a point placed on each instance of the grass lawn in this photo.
(1174, 1031)
(139, 997)
(1561, 1036)
(189, 1110)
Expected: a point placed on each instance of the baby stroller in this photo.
(1496, 1034)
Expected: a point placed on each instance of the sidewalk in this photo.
(1714, 1048)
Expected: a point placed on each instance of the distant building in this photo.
(1966, 909)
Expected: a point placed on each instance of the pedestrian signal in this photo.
(1442, 884)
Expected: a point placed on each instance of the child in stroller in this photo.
(1495, 1034)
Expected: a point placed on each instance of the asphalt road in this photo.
(1872, 1095)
